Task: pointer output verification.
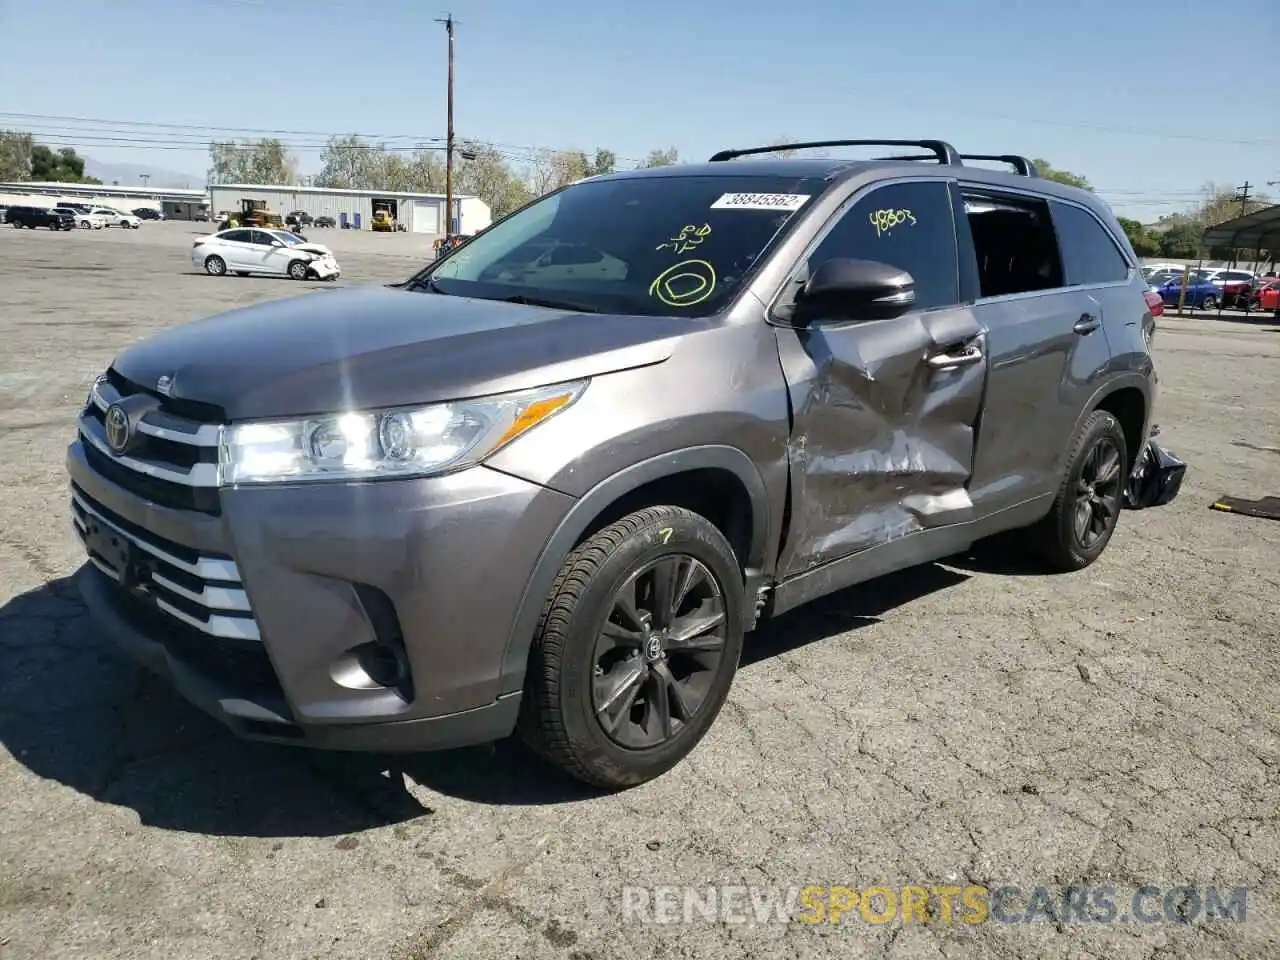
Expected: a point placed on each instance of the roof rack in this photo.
(942, 151)
(1021, 164)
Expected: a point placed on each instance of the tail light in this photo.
(1154, 303)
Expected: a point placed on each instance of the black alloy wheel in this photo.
(658, 651)
(1098, 493)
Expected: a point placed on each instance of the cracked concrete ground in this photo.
(954, 724)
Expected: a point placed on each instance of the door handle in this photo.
(942, 361)
(1087, 323)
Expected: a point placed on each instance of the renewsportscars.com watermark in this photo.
(936, 904)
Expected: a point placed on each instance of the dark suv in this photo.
(41, 217)
(550, 482)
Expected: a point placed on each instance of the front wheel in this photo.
(298, 269)
(1085, 513)
(1210, 303)
(636, 648)
(215, 266)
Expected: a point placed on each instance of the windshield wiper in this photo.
(552, 304)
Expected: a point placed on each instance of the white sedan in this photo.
(114, 218)
(246, 250)
(85, 221)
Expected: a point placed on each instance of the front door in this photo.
(884, 411)
(270, 254)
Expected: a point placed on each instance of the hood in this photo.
(319, 248)
(369, 347)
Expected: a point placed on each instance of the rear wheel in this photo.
(636, 649)
(1210, 303)
(1085, 513)
(215, 266)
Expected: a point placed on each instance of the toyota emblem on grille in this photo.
(119, 429)
(164, 385)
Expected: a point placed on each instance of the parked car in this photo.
(84, 220)
(33, 217)
(1202, 293)
(116, 218)
(491, 499)
(298, 218)
(1262, 295)
(147, 213)
(245, 250)
(325, 222)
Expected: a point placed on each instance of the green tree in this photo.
(1144, 242)
(64, 166)
(1050, 172)
(661, 158)
(605, 161)
(265, 161)
(15, 155)
(1182, 240)
(481, 171)
(351, 163)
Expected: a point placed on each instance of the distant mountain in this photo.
(129, 175)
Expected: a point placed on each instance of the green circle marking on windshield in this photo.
(684, 284)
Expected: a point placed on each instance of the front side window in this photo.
(1089, 254)
(653, 245)
(906, 225)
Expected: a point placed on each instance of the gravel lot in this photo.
(954, 724)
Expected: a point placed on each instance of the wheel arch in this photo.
(685, 477)
(1128, 399)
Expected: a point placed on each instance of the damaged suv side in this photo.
(550, 483)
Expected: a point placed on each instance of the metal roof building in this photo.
(414, 212)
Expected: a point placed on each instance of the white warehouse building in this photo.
(414, 212)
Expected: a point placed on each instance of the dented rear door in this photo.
(882, 423)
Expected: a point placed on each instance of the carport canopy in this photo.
(1259, 230)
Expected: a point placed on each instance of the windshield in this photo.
(288, 238)
(675, 245)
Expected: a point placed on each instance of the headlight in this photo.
(399, 442)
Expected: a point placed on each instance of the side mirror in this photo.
(844, 289)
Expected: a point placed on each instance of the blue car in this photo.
(1201, 294)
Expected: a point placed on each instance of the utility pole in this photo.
(448, 157)
(144, 177)
(1242, 194)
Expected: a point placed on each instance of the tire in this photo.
(560, 713)
(1099, 447)
(1210, 303)
(85, 225)
(298, 269)
(215, 266)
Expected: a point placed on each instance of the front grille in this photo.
(172, 458)
(202, 592)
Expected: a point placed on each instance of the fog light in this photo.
(370, 666)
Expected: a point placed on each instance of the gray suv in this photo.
(549, 483)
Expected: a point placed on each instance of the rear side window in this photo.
(1088, 252)
(1014, 243)
(237, 236)
(906, 225)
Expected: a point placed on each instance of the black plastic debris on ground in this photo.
(1268, 508)
(1156, 480)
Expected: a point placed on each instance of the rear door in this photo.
(237, 248)
(1046, 342)
(883, 411)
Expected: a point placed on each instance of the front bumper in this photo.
(325, 269)
(265, 613)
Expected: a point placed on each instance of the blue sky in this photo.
(1144, 97)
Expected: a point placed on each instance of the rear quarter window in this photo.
(1089, 254)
